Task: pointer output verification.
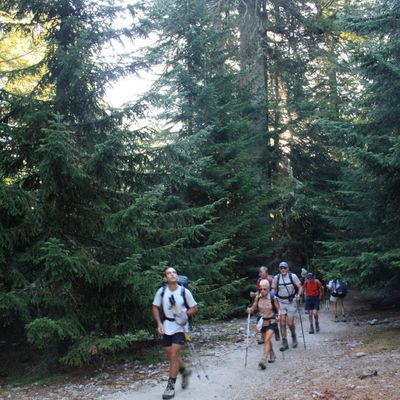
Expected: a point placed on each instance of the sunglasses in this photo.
(262, 289)
(283, 267)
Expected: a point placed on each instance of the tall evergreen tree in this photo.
(207, 100)
(89, 219)
(367, 248)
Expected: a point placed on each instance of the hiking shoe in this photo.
(185, 377)
(263, 363)
(311, 330)
(260, 341)
(344, 319)
(272, 357)
(169, 391)
(294, 339)
(277, 335)
(336, 318)
(285, 345)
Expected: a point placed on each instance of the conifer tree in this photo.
(92, 213)
(204, 97)
(366, 247)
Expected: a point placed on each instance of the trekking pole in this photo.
(247, 339)
(301, 324)
(195, 357)
(194, 361)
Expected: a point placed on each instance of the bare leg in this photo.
(291, 326)
(283, 327)
(175, 363)
(334, 308)
(268, 342)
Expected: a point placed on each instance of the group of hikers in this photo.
(275, 300)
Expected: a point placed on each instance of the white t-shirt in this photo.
(285, 287)
(171, 327)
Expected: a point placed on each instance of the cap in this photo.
(311, 274)
(284, 264)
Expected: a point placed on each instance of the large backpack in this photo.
(341, 288)
(290, 296)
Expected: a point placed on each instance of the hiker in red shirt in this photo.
(263, 274)
(313, 292)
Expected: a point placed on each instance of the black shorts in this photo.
(311, 303)
(271, 327)
(177, 338)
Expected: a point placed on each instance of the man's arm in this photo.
(156, 316)
(321, 291)
(192, 310)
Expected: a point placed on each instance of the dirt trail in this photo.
(330, 367)
(335, 365)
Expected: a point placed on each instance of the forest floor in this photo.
(354, 360)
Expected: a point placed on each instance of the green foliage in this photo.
(12, 306)
(89, 348)
(366, 246)
(42, 332)
(285, 147)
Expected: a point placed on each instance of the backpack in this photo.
(290, 296)
(273, 297)
(318, 286)
(183, 282)
(341, 288)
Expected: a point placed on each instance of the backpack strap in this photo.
(273, 298)
(290, 296)
(183, 294)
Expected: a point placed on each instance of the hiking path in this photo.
(352, 360)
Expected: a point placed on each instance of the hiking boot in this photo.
(185, 377)
(277, 335)
(285, 345)
(169, 391)
(311, 329)
(272, 357)
(294, 339)
(344, 319)
(263, 363)
(336, 318)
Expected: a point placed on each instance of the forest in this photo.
(271, 132)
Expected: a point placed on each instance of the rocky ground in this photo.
(354, 360)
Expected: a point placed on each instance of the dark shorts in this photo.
(270, 327)
(177, 338)
(311, 303)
